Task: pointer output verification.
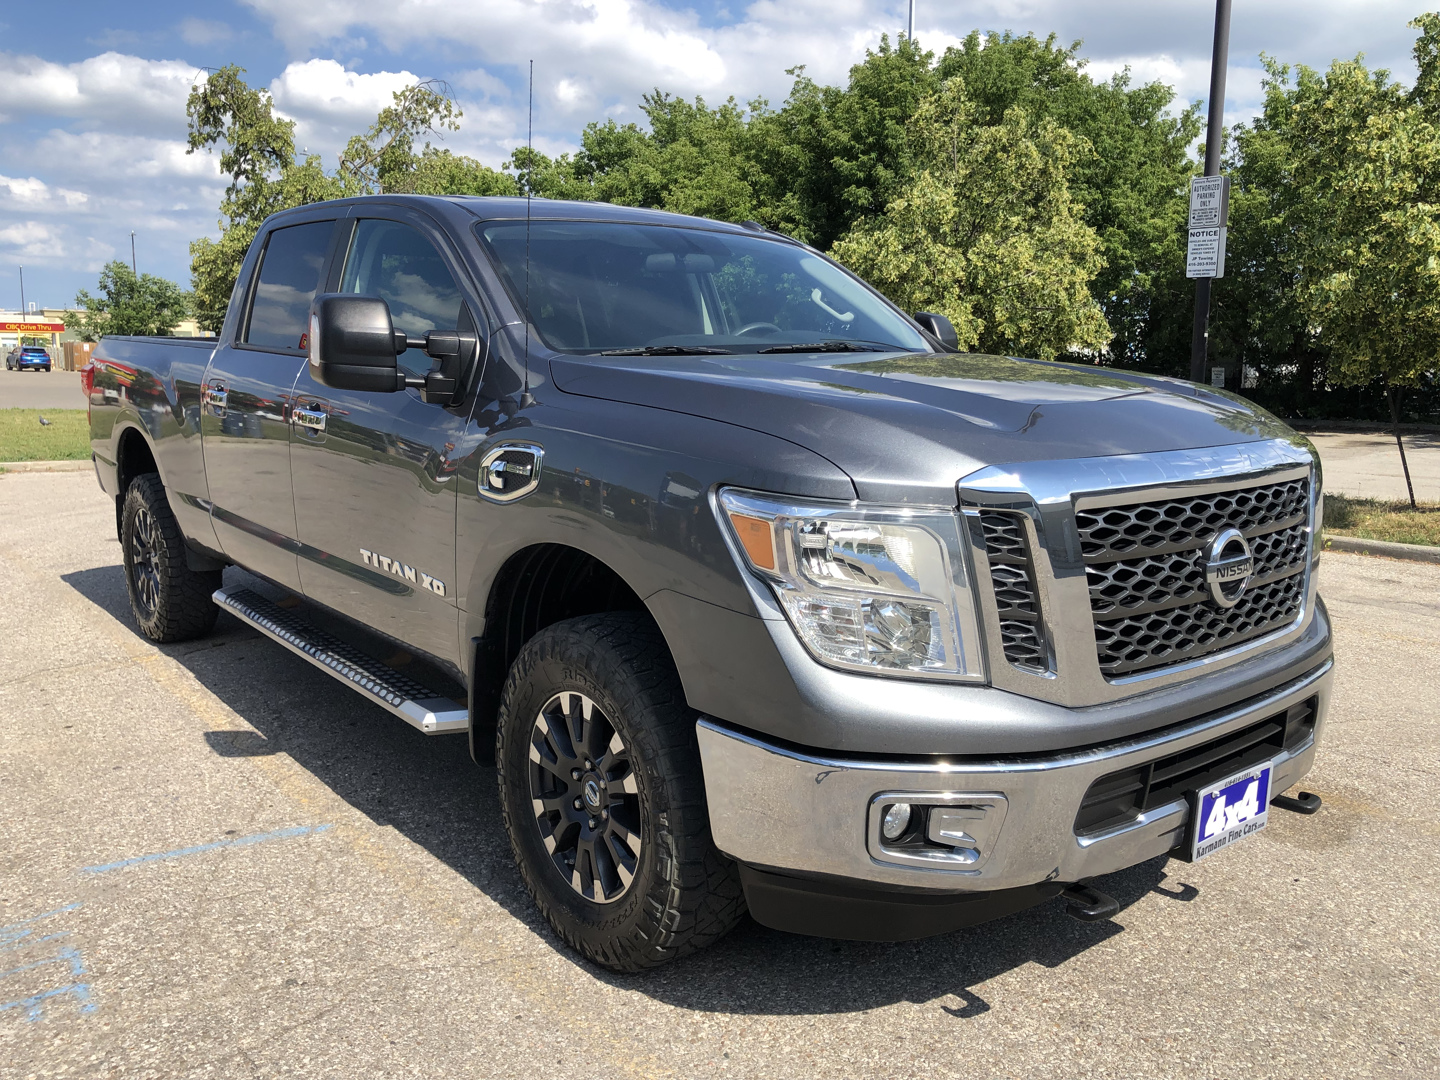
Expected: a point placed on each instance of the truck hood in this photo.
(905, 427)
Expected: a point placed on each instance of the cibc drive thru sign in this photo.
(1209, 211)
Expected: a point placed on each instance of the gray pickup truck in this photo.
(759, 593)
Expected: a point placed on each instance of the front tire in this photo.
(603, 797)
(170, 601)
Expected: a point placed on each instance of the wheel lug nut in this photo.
(577, 804)
(605, 814)
(589, 764)
(592, 822)
(574, 774)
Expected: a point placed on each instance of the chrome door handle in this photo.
(215, 398)
(310, 417)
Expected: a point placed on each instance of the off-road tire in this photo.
(684, 894)
(170, 601)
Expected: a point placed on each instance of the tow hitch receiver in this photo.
(1089, 904)
(1307, 803)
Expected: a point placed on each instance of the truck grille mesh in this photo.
(1013, 578)
(1144, 565)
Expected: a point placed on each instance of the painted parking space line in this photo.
(21, 937)
(178, 853)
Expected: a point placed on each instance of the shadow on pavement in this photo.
(428, 789)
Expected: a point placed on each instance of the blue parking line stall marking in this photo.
(179, 853)
(39, 968)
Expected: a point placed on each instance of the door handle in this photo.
(215, 398)
(310, 417)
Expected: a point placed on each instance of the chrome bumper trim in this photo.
(778, 808)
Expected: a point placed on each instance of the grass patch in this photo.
(1377, 519)
(24, 438)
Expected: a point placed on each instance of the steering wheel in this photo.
(757, 326)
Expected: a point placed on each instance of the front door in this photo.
(374, 472)
(245, 404)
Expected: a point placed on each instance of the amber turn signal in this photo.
(756, 538)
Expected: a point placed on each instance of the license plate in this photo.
(1230, 810)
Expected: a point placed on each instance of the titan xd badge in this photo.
(402, 571)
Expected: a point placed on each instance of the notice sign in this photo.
(1209, 202)
(1205, 255)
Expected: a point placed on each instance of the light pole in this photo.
(1214, 134)
(22, 293)
(132, 254)
(910, 24)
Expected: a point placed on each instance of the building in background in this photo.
(46, 326)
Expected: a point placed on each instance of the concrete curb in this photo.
(81, 465)
(1356, 546)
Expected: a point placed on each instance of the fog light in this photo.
(897, 818)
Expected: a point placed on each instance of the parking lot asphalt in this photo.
(53, 389)
(218, 862)
(1367, 466)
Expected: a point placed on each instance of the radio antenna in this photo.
(529, 192)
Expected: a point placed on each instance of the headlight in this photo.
(879, 590)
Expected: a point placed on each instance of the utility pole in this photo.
(910, 22)
(132, 254)
(1214, 133)
(22, 293)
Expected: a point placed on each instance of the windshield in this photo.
(607, 287)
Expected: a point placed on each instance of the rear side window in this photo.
(289, 276)
(397, 264)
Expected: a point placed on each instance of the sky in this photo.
(92, 94)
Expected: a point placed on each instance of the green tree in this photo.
(257, 152)
(126, 304)
(1365, 170)
(1132, 189)
(988, 234)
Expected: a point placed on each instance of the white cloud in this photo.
(111, 88)
(33, 193)
(329, 103)
(204, 31)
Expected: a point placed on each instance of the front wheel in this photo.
(603, 797)
(170, 601)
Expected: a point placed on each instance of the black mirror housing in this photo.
(353, 344)
(938, 327)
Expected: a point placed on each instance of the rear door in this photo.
(374, 473)
(246, 401)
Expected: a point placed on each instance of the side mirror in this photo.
(352, 343)
(938, 327)
(354, 346)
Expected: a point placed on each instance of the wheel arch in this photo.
(535, 587)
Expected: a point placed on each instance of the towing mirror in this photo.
(938, 327)
(355, 346)
(352, 343)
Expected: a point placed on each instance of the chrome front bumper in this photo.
(790, 811)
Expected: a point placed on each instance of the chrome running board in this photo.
(416, 704)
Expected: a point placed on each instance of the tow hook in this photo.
(1089, 904)
(1307, 803)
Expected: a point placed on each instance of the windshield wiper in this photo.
(829, 346)
(667, 350)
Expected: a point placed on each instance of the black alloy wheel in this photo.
(170, 601)
(585, 797)
(603, 797)
(143, 573)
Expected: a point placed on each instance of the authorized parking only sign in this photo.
(1209, 212)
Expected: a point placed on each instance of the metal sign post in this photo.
(1210, 196)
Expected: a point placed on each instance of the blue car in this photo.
(27, 357)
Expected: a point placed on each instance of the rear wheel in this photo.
(603, 797)
(170, 601)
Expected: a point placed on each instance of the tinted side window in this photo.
(289, 275)
(397, 264)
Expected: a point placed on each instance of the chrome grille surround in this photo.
(1115, 550)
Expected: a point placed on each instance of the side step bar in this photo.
(417, 705)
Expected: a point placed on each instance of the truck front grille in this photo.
(1012, 575)
(1119, 797)
(1144, 565)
